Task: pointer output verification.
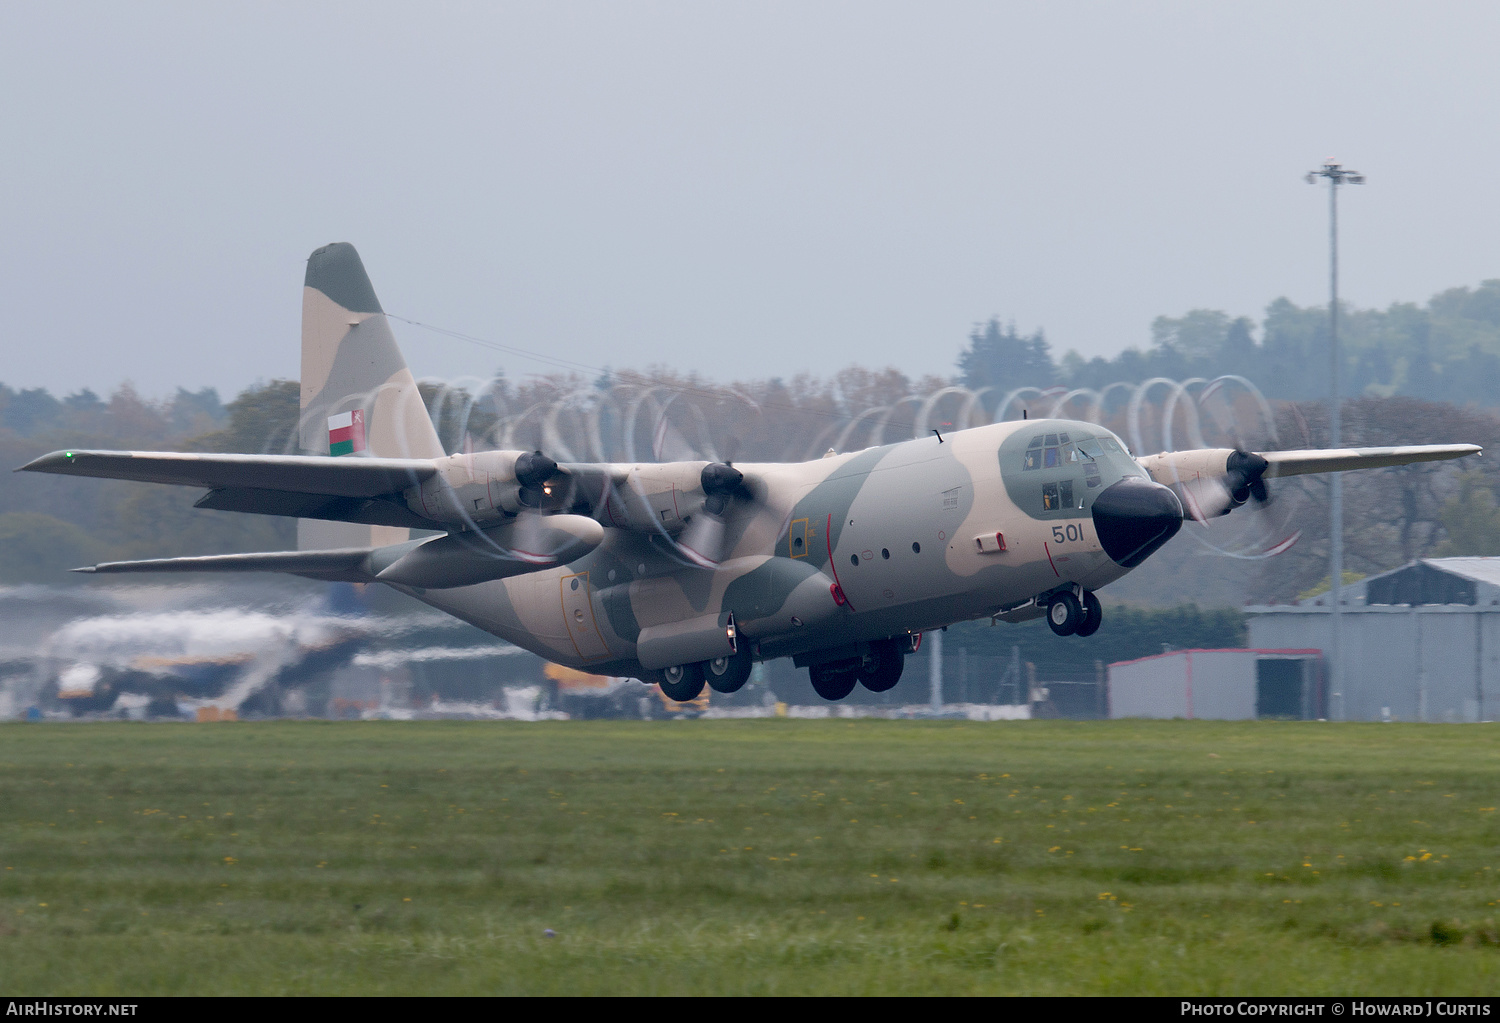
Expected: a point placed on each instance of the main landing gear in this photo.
(878, 671)
(1069, 616)
(683, 682)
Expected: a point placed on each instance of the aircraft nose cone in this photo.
(1134, 517)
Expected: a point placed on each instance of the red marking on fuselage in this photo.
(828, 542)
(1049, 560)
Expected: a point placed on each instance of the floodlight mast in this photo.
(1336, 175)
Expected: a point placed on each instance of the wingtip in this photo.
(47, 462)
(86, 569)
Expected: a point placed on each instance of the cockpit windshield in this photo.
(1053, 450)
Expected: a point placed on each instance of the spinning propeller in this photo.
(703, 540)
(534, 471)
(1242, 482)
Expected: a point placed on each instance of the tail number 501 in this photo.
(1062, 534)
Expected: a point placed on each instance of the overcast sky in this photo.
(746, 190)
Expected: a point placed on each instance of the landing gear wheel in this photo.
(882, 669)
(1093, 615)
(1064, 613)
(728, 674)
(682, 682)
(832, 683)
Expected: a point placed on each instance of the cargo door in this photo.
(578, 612)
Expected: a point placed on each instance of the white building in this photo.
(1226, 685)
(1420, 643)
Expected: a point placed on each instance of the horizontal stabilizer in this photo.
(334, 566)
(302, 474)
(1298, 463)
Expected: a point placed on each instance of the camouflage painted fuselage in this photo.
(671, 569)
(831, 553)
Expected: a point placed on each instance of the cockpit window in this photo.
(1049, 451)
(1057, 496)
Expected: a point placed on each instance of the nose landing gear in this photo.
(1067, 615)
(1093, 615)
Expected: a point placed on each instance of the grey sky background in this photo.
(745, 190)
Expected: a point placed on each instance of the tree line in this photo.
(1446, 350)
(1412, 357)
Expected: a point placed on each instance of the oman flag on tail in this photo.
(346, 432)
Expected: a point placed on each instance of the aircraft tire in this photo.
(832, 683)
(1093, 615)
(728, 674)
(682, 682)
(1064, 613)
(882, 669)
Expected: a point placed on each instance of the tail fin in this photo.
(357, 394)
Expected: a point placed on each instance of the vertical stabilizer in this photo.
(358, 397)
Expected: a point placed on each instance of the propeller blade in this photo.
(530, 540)
(1283, 546)
(1241, 481)
(703, 540)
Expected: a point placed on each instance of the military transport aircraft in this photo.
(688, 572)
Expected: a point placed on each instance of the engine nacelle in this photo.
(653, 498)
(469, 491)
(1171, 467)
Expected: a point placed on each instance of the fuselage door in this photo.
(578, 612)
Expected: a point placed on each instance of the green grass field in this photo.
(769, 856)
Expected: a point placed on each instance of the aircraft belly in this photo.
(533, 612)
(503, 608)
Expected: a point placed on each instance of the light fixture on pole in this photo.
(1336, 175)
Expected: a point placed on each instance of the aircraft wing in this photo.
(346, 565)
(1214, 481)
(301, 474)
(307, 486)
(370, 490)
(1298, 463)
